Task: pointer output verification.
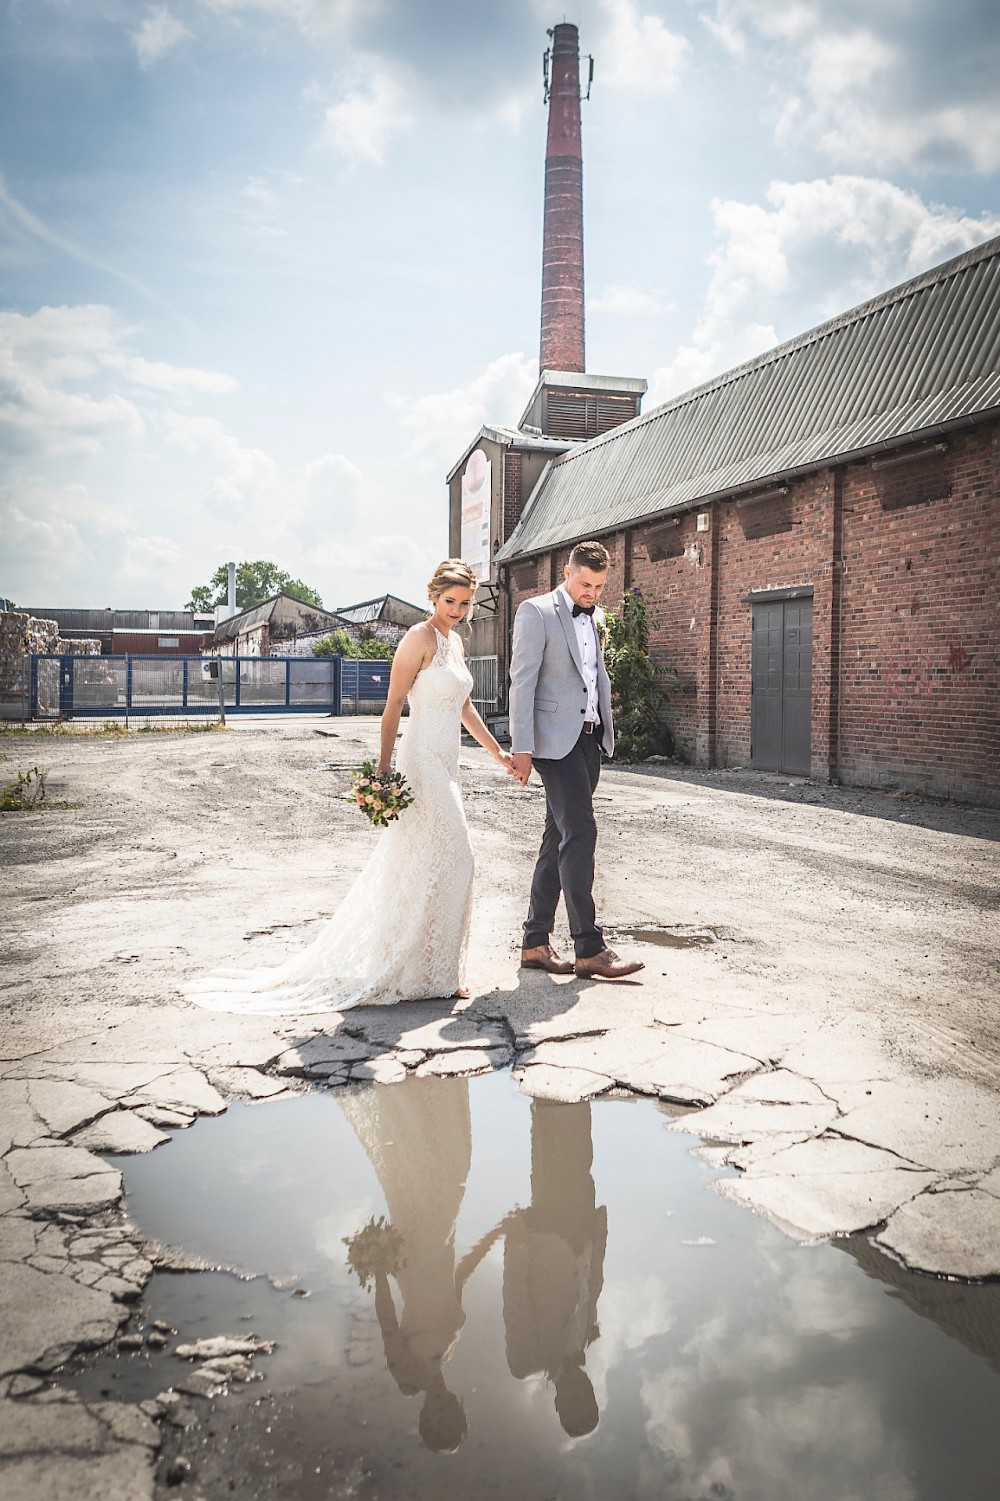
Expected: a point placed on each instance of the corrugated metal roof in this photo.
(511, 437)
(246, 620)
(917, 358)
(386, 607)
(116, 620)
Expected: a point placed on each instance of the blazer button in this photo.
(583, 711)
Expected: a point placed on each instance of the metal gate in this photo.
(364, 685)
(67, 687)
(781, 685)
(485, 684)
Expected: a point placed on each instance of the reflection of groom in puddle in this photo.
(418, 1136)
(553, 1265)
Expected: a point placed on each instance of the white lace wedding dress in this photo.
(401, 932)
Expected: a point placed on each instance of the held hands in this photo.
(521, 766)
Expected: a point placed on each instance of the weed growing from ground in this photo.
(112, 730)
(26, 794)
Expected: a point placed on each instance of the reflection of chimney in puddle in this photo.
(562, 239)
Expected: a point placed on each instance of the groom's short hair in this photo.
(592, 555)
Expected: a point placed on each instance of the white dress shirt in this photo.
(586, 635)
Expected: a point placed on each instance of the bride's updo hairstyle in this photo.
(452, 574)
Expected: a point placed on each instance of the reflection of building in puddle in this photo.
(968, 1312)
(418, 1137)
(553, 1268)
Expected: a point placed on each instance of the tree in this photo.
(255, 582)
(342, 644)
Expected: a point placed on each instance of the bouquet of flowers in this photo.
(376, 1250)
(381, 795)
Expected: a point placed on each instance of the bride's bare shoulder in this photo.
(420, 638)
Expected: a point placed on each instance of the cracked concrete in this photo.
(836, 1043)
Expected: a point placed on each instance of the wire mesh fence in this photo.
(64, 687)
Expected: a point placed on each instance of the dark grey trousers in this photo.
(566, 857)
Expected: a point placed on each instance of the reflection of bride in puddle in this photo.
(418, 1137)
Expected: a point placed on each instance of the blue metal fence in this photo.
(61, 687)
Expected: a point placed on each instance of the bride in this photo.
(402, 930)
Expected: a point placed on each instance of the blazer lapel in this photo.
(569, 631)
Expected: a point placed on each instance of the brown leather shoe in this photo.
(545, 957)
(607, 966)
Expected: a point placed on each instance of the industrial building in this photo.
(816, 533)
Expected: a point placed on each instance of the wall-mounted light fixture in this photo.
(776, 492)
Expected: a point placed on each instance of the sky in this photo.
(266, 266)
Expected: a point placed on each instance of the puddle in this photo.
(522, 1299)
(668, 938)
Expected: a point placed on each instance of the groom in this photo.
(560, 720)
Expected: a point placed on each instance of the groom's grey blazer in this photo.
(548, 692)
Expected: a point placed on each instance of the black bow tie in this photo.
(583, 610)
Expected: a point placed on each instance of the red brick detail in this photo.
(513, 498)
(562, 329)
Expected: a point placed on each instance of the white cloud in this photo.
(34, 541)
(50, 532)
(244, 477)
(149, 561)
(360, 126)
(870, 87)
(35, 414)
(444, 422)
(47, 356)
(626, 301)
(159, 376)
(637, 52)
(308, 14)
(168, 484)
(159, 33)
(817, 249)
(335, 491)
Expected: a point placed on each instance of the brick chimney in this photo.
(562, 240)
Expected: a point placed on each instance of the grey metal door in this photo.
(781, 685)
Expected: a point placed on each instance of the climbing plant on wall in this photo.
(638, 689)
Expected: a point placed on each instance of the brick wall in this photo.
(920, 673)
(676, 590)
(771, 545)
(513, 496)
(903, 563)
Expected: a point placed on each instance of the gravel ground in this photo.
(159, 855)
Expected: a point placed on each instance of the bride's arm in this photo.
(478, 730)
(412, 653)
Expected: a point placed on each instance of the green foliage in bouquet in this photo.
(376, 1250)
(381, 796)
(638, 690)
